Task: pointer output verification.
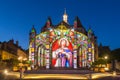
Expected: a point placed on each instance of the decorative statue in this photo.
(62, 53)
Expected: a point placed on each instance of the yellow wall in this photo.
(21, 53)
(7, 55)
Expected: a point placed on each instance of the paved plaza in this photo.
(83, 74)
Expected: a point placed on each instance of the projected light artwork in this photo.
(63, 45)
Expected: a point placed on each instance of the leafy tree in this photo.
(116, 54)
(100, 61)
(11, 62)
(105, 51)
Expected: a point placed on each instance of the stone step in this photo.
(59, 71)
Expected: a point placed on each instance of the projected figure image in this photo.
(62, 53)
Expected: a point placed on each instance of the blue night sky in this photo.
(18, 16)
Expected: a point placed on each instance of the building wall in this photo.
(6, 55)
(10, 50)
(83, 41)
(71, 37)
(21, 53)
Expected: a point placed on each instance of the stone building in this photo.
(12, 50)
(62, 45)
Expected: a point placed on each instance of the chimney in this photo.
(11, 41)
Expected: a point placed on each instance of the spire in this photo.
(78, 22)
(78, 25)
(75, 23)
(65, 11)
(33, 29)
(90, 30)
(49, 22)
(65, 16)
(47, 25)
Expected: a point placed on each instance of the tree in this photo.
(100, 61)
(105, 51)
(11, 62)
(116, 54)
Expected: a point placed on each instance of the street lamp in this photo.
(5, 71)
(24, 59)
(20, 58)
(106, 57)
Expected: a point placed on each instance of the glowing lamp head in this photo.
(106, 57)
(5, 71)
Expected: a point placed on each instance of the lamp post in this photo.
(20, 59)
(106, 58)
(21, 64)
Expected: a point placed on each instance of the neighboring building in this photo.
(63, 45)
(104, 51)
(115, 59)
(10, 50)
(22, 53)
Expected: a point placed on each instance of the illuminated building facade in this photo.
(11, 50)
(63, 45)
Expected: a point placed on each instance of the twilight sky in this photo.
(18, 16)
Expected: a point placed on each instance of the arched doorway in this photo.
(41, 56)
(82, 56)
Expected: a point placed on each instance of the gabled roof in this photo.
(48, 22)
(77, 21)
(63, 23)
(79, 27)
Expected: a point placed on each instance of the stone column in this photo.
(75, 57)
(47, 56)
